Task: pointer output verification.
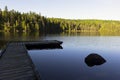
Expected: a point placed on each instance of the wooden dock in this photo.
(16, 64)
(46, 44)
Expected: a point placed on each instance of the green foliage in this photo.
(14, 21)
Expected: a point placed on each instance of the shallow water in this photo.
(69, 63)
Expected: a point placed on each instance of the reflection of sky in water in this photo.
(90, 42)
(68, 63)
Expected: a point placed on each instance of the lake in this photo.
(69, 63)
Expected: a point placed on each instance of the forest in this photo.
(15, 21)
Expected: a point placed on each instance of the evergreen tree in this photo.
(14, 21)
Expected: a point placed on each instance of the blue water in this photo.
(69, 63)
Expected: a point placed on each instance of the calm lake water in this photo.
(69, 63)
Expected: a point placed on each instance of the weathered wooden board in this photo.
(16, 64)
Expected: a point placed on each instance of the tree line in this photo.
(14, 21)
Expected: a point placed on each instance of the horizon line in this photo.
(66, 18)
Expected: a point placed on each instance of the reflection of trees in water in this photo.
(108, 33)
(100, 33)
(2, 44)
(94, 59)
(80, 34)
(23, 36)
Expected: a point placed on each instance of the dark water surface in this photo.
(69, 63)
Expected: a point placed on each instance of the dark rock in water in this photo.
(94, 59)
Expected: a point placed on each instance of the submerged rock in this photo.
(94, 59)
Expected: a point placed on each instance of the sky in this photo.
(68, 9)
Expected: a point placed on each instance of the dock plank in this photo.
(15, 64)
